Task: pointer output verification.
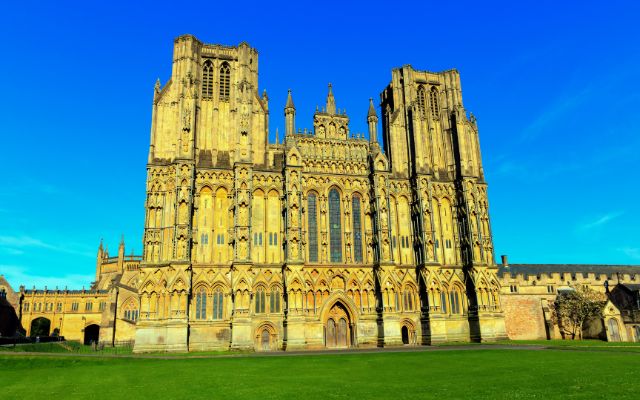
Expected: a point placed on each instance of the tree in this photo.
(573, 308)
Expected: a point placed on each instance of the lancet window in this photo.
(433, 99)
(312, 223)
(422, 100)
(225, 81)
(207, 80)
(335, 226)
(357, 229)
(275, 301)
(217, 303)
(201, 304)
(260, 301)
(454, 296)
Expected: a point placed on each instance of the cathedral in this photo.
(326, 239)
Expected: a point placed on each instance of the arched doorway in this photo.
(338, 327)
(405, 335)
(91, 334)
(614, 333)
(265, 340)
(266, 337)
(40, 327)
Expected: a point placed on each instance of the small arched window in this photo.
(454, 297)
(130, 310)
(275, 301)
(408, 299)
(201, 304)
(433, 99)
(443, 302)
(335, 227)
(260, 301)
(217, 303)
(422, 100)
(312, 223)
(207, 80)
(357, 229)
(225, 81)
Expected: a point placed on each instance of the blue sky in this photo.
(554, 88)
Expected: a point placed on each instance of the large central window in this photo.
(313, 227)
(335, 227)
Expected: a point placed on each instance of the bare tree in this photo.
(573, 308)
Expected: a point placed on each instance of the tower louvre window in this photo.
(207, 81)
(422, 100)
(225, 81)
(433, 99)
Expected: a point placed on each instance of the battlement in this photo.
(567, 274)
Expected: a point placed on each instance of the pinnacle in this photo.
(289, 101)
(372, 109)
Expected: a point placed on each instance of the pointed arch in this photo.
(433, 100)
(207, 80)
(224, 81)
(335, 226)
(312, 226)
(357, 215)
(422, 100)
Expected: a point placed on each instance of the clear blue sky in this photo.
(555, 89)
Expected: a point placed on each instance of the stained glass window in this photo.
(201, 304)
(313, 227)
(275, 301)
(335, 227)
(260, 301)
(443, 302)
(217, 304)
(357, 229)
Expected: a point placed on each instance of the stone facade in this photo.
(323, 239)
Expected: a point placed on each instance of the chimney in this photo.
(505, 261)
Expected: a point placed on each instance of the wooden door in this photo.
(331, 333)
(264, 339)
(342, 333)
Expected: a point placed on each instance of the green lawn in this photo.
(445, 374)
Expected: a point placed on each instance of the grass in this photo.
(63, 347)
(479, 373)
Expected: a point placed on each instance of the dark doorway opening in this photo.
(91, 334)
(40, 327)
(405, 335)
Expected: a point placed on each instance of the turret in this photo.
(121, 254)
(372, 121)
(289, 116)
(99, 260)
